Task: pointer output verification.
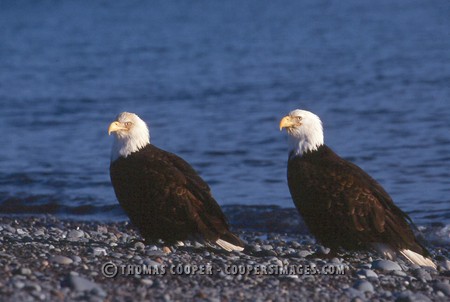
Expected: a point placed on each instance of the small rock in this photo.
(99, 251)
(443, 287)
(78, 283)
(139, 245)
(296, 244)
(117, 255)
(368, 273)
(33, 286)
(256, 248)
(304, 253)
(74, 234)
(335, 260)
(267, 247)
(39, 296)
(25, 271)
(445, 264)
(268, 253)
(19, 284)
(150, 262)
(322, 250)
(408, 296)
(39, 233)
(76, 258)
(9, 229)
(102, 229)
(147, 282)
(386, 265)
(422, 274)
(61, 259)
(353, 293)
(363, 286)
(197, 245)
(399, 273)
(20, 231)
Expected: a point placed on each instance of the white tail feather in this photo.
(417, 258)
(228, 246)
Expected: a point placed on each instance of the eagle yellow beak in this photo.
(116, 126)
(286, 122)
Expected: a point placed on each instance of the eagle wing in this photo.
(355, 210)
(173, 200)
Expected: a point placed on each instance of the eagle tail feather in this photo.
(417, 258)
(228, 246)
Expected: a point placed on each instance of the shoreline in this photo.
(48, 258)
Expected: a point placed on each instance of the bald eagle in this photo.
(341, 204)
(160, 192)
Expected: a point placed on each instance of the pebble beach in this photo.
(51, 259)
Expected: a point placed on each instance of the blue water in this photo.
(213, 79)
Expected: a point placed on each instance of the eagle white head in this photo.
(304, 129)
(130, 135)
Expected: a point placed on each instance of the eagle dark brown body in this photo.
(344, 207)
(166, 199)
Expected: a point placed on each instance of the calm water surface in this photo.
(213, 79)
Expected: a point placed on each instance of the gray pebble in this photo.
(9, 229)
(399, 273)
(39, 296)
(443, 287)
(422, 274)
(74, 234)
(20, 231)
(99, 251)
(33, 286)
(78, 283)
(61, 259)
(364, 286)
(304, 253)
(150, 262)
(267, 247)
(39, 233)
(322, 250)
(117, 255)
(147, 282)
(102, 229)
(353, 293)
(25, 271)
(296, 245)
(368, 273)
(408, 296)
(269, 253)
(76, 258)
(335, 260)
(139, 245)
(256, 248)
(445, 264)
(386, 265)
(198, 245)
(19, 284)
